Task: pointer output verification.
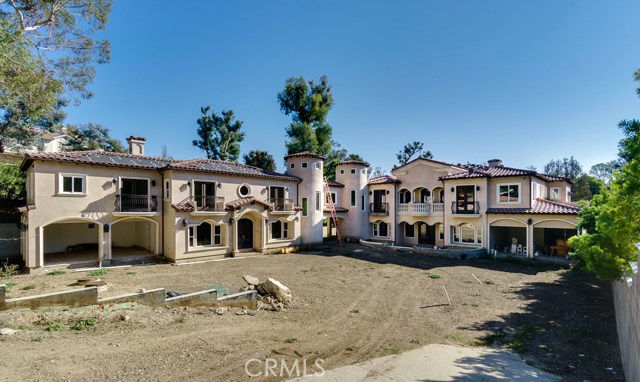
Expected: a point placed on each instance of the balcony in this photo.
(207, 204)
(379, 208)
(281, 205)
(136, 203)
(420, 209)
(465, 208)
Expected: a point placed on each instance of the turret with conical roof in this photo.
(309, 167)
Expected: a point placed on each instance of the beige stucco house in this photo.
(104, 207)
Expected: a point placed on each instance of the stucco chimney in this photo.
(136, 145)
(495, 162)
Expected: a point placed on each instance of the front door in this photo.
(245, 234)
(426, 234)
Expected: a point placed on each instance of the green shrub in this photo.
(85, 323)
(57, 272)
(98, 272)
(55, 327)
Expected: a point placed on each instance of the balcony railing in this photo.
(281, 204)
(207, 203)
(423, 209)
(438, 208)
(379, 208)
(465, 208)
(136, 203)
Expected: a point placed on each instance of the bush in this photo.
(85, 323)
(8, 270)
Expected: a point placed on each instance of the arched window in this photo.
(380, 229)
(205, 235)
(425, 195)
(404, 196)
(466, 233)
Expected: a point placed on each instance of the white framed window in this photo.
(466, 233)
(440, 230)
(244, 190)
(341, 171)
(318, 166)
(304, 165)
(72, 184)
(318, 201)
(362, 204)
(554, 193)
(305, 206)
(167, 189)
(409, 230)
(568, 196)
(292, 165)
(205, 234)
(508, 193)
(279, 230)
(353, 170)
(353, 198)
(333, 198)
(363, 171)
(380, 229)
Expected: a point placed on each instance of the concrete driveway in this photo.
(440, 363)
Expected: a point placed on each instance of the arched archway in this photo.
(249, 231)
(70, 241)
(329, 229)
(550, 236)
(134, 237)
(421, 195)
(509, 235)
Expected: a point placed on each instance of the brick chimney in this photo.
(494, 162)
(136, 145)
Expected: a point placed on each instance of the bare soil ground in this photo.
(350, 304)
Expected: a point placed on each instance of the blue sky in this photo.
(523, 81)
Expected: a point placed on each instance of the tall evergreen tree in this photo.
(219, 136)
(261, 159)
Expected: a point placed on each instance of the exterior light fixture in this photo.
(477, 188)
(452, 189)
(115, 180)
(185, 222)
(105, 227)
(153, 182)
(530, 221)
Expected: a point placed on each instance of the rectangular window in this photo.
(318, 165)
(167, 193)
(72, 184)
(318, 204)
(409, 230)
(374, 229)
(555, 193)
(203, 235)
(191, 236)
(364, 171)
(304, 165)
(353, 170)
(353, 198)
(455, 238)
(362, 202)
(279, 230)
(305, 206)
(293, 165)
(441, 231)
(333, 198)
(466, 234)
(509, 193)
(217, 235)
(479, 235)
(285, 230)
(341, 171)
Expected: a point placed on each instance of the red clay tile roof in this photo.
(540, 206)
(474, 171)
(304, 154)
(231, 168)
(355, 162)
(428, 160)
(239, 203)
(183, 206)
(333, 183)
(338, 209)
(384, 179)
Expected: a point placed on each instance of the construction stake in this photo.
(476, 278)
(447, 293)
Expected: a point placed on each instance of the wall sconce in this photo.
(105, 228)
(231, 220)
(189, 183)
(477, 188)
(23, 227)
(114, 180)
(266, 220)
(370, 192)
(286, 189)
(297, 218)
(530, 221)
(219, 185)
(184, 222)
(387, 192)
(153, 182)
(452, 189)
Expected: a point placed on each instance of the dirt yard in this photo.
(350, 304)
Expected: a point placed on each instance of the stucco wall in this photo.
(525, 192)
(626, 300)
(57, 237)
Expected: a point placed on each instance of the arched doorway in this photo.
(426, 234)
(133, 237)
(71, 241)
(245, 233)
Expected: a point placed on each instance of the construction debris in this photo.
(277, 290)
(251, 280)
(272, 294)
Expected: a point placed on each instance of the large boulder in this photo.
(251, 280)
(277, 290)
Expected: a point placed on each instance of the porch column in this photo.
(529, 240)
(101, 245)
(107, 242)
(233, 223)
(264, 224)
(39, 258)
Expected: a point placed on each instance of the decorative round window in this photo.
(244, 190)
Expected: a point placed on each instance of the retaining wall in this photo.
(626, 299)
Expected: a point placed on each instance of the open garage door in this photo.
(133, 238)
(71, 242)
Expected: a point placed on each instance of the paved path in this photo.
(440, 363)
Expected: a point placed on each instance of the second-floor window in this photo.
(509, 193)
(554, 193)
(204, 194)
(72, 184)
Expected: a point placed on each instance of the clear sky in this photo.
(523, 81)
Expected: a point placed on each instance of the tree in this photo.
(308, 104)
(585, 187)
(532, 168)
(566, 167)
(336, 155)
(164, 152)
(409, 150)
(91, 136)
(219, 135)
(377, 171)
(261, 159)
(48, 53)
(612, 219)
(605, 171)
(12, 180)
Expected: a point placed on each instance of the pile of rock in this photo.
(272, 295)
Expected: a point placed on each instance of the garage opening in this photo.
(68, 243)
(133, 239)
(552, 241)
(509, 239)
